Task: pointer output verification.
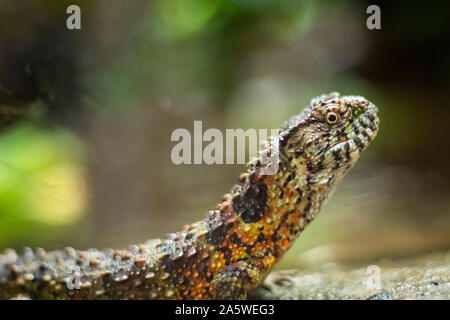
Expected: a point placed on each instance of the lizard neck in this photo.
(266, 213)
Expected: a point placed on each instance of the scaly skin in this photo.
(237, 244)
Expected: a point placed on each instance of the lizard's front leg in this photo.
(235, 280)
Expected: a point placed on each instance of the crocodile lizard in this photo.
(236, 245)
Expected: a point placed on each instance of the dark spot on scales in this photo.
(337, 155)
(260, 238)
(347, 151)
(217, 227)
(363, 124)
(355, 128)
(307, 208)
(288, 179)
(364, 133)
(251, 203)
(370, 117)
(227, 253)
(359, 143)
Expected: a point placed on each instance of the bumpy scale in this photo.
(237, 244)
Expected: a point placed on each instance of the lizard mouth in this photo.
(365, 127)
(357, 137)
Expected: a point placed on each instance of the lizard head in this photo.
(327, 138)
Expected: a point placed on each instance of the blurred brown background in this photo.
(87, 117)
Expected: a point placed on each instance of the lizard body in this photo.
(237, 244)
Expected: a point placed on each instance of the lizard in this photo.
(237, 244)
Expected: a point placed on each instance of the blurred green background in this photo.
(87, 116)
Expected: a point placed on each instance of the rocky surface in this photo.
(424, 277)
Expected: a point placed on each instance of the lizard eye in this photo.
(332, 117)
